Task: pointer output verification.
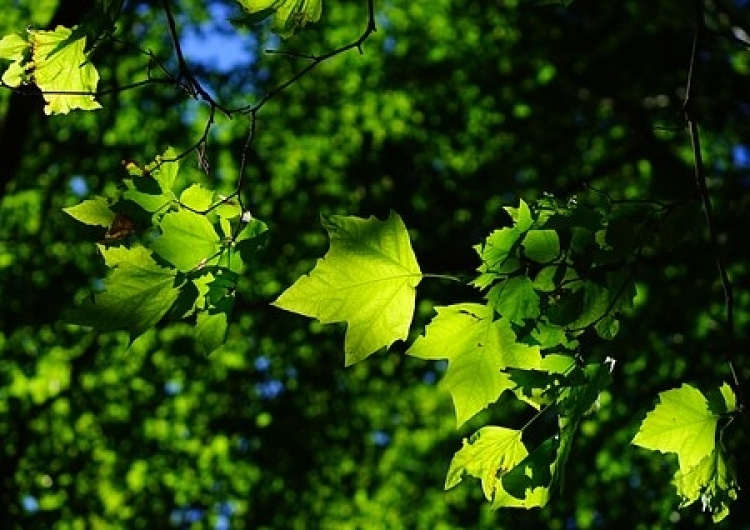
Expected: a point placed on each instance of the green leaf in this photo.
(94, 211)
(146, 193)
(521, 216)
(730, 399)
(59, 64)
(487, 455)
(187, 241)
(528, 484)
(164, 169)
(367, 279)
(711, 481)
(541, 246)
(211, 328)
(608, 327)
(138, 293)
(290, 16)
(478, 348)
(499, 252)
(681, 423)
(13, 47)
(197, 197)
(515, 299)
(548, 335)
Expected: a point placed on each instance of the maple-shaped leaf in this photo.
(56, 62)
(489, 454)
(60, 65)
(684, 423)
(289, 16)
(681, 423)
(478, 348)
(367, 279)
(138, 293)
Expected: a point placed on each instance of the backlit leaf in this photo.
(211, 329)
(367, 279)
(487, 455)
(681, 423)
(289, 16)
(138, 293)
(188, 239)
(541, 246)
(478, 348)
(711, 481)
(515, 299)
(94, 211)
(57, 63)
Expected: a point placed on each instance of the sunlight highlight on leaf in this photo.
(367, 279)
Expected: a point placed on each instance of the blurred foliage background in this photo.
(453, 111)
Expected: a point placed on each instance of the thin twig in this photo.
(700, 180)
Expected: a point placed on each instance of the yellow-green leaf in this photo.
(478, 348)
(60, 68)
(681, 423)
(487, 455)
(367, 279)
(289, 16)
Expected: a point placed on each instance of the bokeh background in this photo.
(453, 110)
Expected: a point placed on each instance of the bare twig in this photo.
(700, 180)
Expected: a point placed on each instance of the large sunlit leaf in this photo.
(138, 293)
(478, 348)
(681, 423)
(367, 279)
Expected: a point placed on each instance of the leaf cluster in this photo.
(172, 254)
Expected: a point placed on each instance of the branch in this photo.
(700, 180)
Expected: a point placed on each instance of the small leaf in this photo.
(289, 17)
(94, 211)
(197, 197)
(487, 455)
(188, 239)
(367, 279)
(608, 327)
(515, 299)
(164, 169)
(730, 399)
(12, 48)
(541, 246)
(211, 328)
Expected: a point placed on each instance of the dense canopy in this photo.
(571, 185)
